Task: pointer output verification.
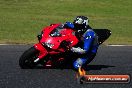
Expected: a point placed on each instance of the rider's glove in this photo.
(78, 50)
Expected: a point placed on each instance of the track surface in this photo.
(109, 60)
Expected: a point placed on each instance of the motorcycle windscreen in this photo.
(56, 31)
(103, 34)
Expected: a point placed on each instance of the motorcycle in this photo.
(53, 49)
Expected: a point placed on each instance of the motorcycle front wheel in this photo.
(26, 61)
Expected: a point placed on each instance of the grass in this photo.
(22, 20)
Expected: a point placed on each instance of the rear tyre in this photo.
(26, 61)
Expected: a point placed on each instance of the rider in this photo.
(88, 37)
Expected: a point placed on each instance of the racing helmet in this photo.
(80, 22)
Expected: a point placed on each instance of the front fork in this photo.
(42, 51)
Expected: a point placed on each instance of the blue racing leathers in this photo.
(89, 49)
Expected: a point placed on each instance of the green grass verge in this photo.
(22, 20)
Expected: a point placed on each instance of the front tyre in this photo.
(26, 61)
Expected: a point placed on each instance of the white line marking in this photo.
(119, 45)
(4, 44)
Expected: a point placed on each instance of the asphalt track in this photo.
(109, 60)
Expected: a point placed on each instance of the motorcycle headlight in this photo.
(49, 45)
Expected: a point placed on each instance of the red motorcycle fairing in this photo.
(43, 52)
(66, 34)
(53, 42)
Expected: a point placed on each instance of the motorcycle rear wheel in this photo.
(26, 61)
